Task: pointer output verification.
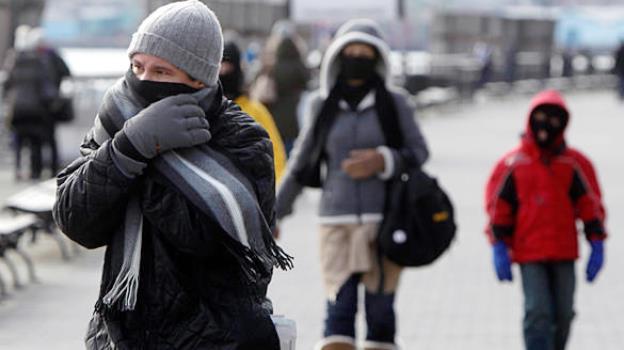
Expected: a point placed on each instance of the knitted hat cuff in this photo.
(193, 65)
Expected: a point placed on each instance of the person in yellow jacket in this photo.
(232, 79)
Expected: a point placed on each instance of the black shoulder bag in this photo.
(62, 109)
(418, 224)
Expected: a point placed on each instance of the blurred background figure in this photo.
(32, 92)
(484, 54)
(346, 133)
(58, 106)
(618, 68)
(252, 60)
(282, 79)
(9, 92)
(510, 66)
(232, 79)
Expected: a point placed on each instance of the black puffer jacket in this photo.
(192, 291)
(28, 94)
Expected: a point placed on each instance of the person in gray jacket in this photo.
(343, 136)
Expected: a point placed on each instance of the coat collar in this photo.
(367, 102)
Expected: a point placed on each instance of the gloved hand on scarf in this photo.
(502, 263)
(173, 122)
(596, 259)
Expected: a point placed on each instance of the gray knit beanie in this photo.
(187, 34)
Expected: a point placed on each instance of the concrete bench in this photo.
(12, 229)
(38, 200)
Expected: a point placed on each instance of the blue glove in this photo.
(502, 263)
(596, 259)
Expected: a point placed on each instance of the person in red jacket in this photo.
(534, 197)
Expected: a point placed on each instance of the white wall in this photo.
(339, 11)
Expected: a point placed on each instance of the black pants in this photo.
(36, 143)
(50, 141)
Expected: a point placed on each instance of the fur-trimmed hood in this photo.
(358, 30)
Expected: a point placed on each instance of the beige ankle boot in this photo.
(372, 345)
(336, 342)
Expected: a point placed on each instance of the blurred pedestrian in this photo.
(28, 95)
(252, 60)
(19, 45)
(232, 79)
(511, 66)
(178, 184)
(344, 134)
(567, 70)
(56, 70)
(619, 69)
(484, 54)
(533, 198)
(281, 81)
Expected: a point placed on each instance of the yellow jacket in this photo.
(262, 115)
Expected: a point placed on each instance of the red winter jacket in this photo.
(534, 197)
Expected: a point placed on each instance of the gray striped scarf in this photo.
(204, 176)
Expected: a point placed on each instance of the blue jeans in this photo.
(380, 316)
(621, 87)
(548, 304)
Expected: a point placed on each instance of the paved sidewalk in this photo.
(455, 304)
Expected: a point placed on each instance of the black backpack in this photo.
(419, 222)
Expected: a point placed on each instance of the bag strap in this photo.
(322, 124)
(388, 117)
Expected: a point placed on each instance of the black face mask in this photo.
(552, 124)
(353, 95)
(231, 83)
(153, 91)
(357, 68)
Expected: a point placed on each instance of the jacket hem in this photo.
(372, 218)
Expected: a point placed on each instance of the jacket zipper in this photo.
(358, 185)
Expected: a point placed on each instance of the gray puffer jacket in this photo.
(345, 200)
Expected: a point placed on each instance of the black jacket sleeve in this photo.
(507, 207)
(91, 197)
(177, 220)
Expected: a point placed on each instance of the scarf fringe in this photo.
(124, 289)
(126, 285)
(256, 266)
(280, 258)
